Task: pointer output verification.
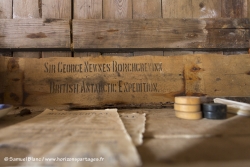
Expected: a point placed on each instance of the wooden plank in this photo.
(5, 9)
(158, 34)
(148, 9)
(177, 53)
(117, 9)
(35, 34)
(2, 78)
(234, 8)
(248, 8)
(26, 9)
(87, 9)
(5, 13)
(56, 9)
(14, 76)
(100, 81)
(177, 9)
(155, 53)
(231, 73)
(206, 8)
(160, 124)
(209, 52)
(59, 9)
(110, 81)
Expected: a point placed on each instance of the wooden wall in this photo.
(122, 9)
(123, 31)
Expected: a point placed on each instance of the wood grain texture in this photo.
(159, 34)
(234, 8)
(248, 8)
(56, 9)
(177, 53)
(5, 13)
(34, 34)
(206, 8)
(117, 9)
(102, 81)
(87, 9)
(5, 9)
(26, 9)
(148, 9)
(59, 9)
(177, 8)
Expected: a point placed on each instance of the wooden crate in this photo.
(135, 53)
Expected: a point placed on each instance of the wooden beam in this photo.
(34, 34)
(160, 34)
(113, 80)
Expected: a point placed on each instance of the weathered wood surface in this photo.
(59, 9)
(160, 34)
(27, 9)
(87, 9)
(147, 9)
(206, 8)
(6, 13)
(56, 9)
(18, 34)
(117, 9)
(5, 9)
(114, 80)
(234, 8)
(177, 8)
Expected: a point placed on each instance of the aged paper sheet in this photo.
(69, 138)
(135, 126)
